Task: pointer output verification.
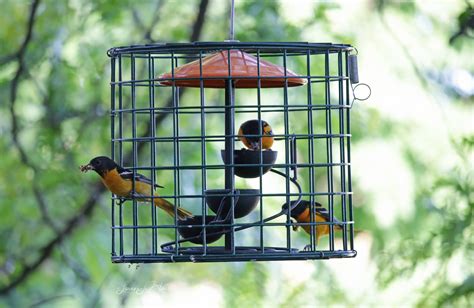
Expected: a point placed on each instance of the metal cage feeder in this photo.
(312, 133)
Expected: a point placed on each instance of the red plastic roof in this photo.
(244, 72)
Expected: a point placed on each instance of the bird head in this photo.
(300, 207)
(267, 129)
(100, 164)
(254, 127)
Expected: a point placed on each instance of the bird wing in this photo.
(127, 174)
(321, 211)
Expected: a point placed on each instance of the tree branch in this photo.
(195, 35)
(29, 31)
(416, 69)
(50, 299)
(155, 20)
(140, 24)
(199, 23)
(7, 58)
(47, 250)
(404, 49)
(94, 192)
(20, 57)
(137, 19)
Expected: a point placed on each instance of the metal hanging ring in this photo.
(359, 98)
(354, 97)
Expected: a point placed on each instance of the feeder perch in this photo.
(249, 163)
(245, 203)
(191, 229)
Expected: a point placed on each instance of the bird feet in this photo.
(120, 201)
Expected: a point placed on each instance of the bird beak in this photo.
(85, 168)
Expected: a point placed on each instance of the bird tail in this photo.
(169, 208)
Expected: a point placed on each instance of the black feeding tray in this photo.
(247, 200)
(249, 157)
(192, 233)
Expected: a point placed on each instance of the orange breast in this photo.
(243, 138)
(267, 142)
(117, 185)
(320, 229)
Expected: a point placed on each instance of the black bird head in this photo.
(252, 127)
(100, 164)
(299, 209)
(256, 127)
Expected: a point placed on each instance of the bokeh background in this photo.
(412, 154)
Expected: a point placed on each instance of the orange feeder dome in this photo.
(243, 71)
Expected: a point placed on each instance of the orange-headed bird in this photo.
(119, 181)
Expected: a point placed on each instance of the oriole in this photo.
(252, 127)
(120, 182)
(301, 213)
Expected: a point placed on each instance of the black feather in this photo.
(127, 174)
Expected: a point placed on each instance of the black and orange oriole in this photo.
(252, 127)
(301, 213)
(120, 182)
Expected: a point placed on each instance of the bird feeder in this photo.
(310, 160)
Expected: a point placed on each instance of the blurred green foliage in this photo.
(60, 103)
